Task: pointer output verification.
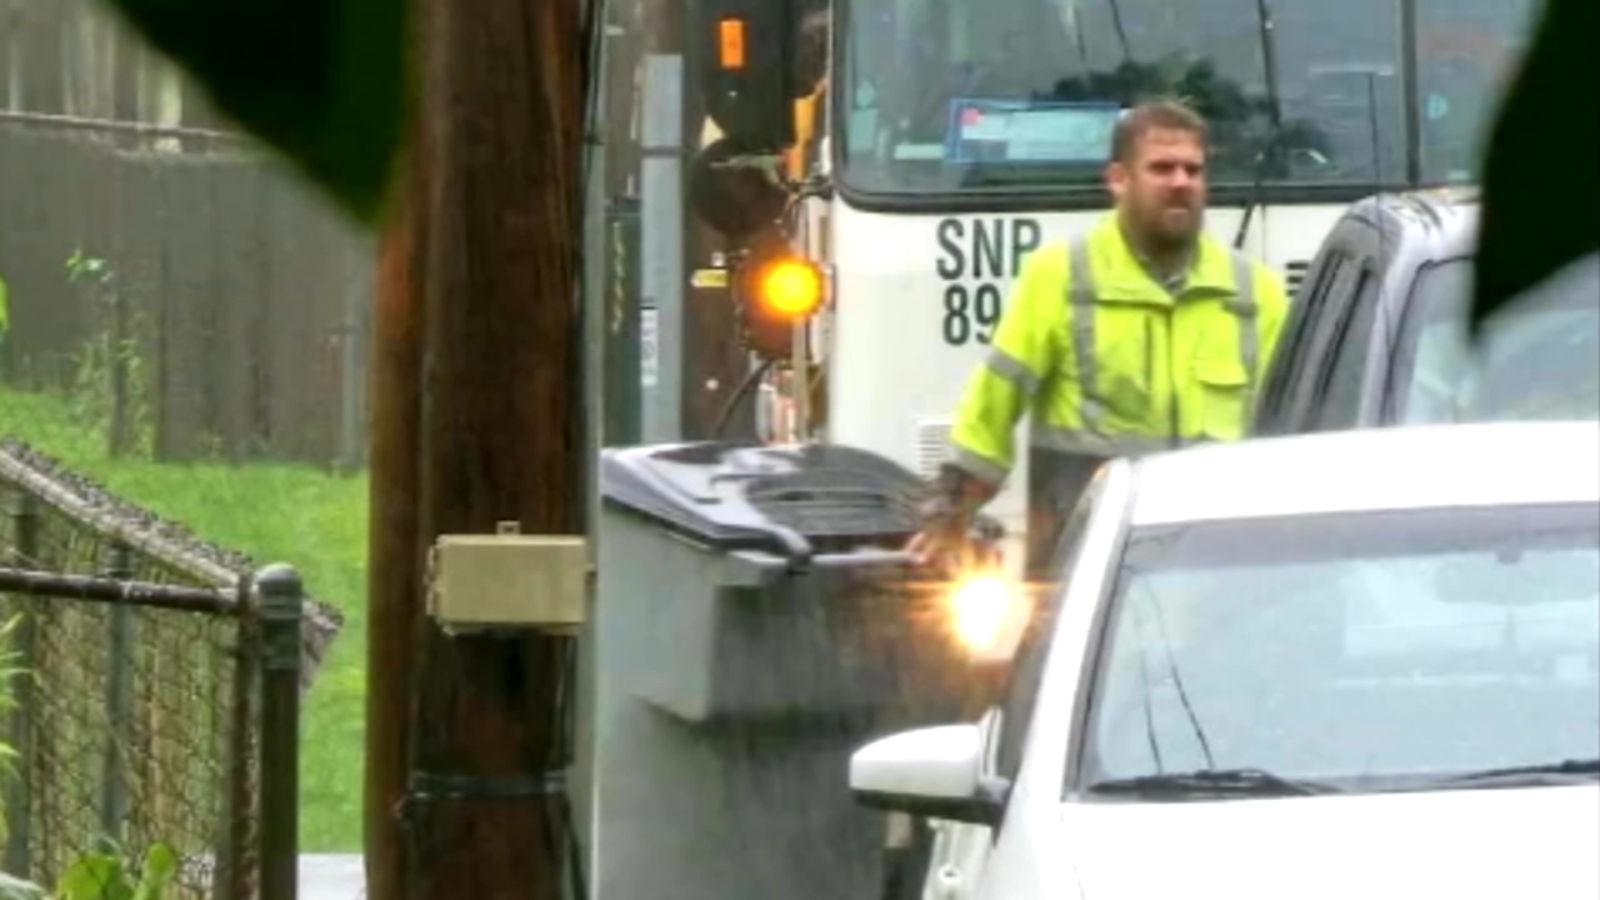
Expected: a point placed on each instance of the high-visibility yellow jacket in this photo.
(1112, 363)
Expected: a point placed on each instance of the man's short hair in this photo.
(1152, 115)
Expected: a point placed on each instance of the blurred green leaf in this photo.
(1541, 183)
(95, 876)
(160, 867)
(325, 82)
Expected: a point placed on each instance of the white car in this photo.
(1345, 665)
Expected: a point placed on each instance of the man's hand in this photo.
(939, 544)
(945, 540)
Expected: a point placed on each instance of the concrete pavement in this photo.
(325, 876)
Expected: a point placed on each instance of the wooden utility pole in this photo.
(395, 574)
(477, 394)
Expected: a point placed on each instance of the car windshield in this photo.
(1539, 359)
(1363, 651)
(942, 96)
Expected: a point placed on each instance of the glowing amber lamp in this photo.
(730, 43)
(791, 288)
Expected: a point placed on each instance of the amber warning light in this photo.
(730, 33)
(791, 288)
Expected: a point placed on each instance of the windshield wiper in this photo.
(1214, 781)
(1582, 769)
(1272, 150)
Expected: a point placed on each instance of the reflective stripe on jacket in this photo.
(1113, 363)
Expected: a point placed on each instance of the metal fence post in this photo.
(19, 799)
(234, 877)
(119, 700)
(281, 597)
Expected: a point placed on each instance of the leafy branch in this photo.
(104, 873)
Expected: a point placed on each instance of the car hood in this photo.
(1492, 843)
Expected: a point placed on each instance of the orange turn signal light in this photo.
(790, 287)
(730, 43)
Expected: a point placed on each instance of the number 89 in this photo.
(969, 315)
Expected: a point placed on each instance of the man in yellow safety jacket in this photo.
(1146, 333)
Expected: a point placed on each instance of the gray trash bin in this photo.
(753, 626)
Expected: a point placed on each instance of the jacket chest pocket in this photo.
(1128, 341)
(1219, 395)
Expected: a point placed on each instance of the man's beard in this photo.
(1166, 238)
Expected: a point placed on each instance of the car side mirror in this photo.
(935, 773)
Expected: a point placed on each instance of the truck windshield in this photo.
(957, 96)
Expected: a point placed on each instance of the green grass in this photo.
(295, 514)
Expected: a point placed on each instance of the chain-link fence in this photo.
(155, 695)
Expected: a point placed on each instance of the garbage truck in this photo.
(885, 166)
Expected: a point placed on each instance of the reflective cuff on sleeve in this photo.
(979, 466)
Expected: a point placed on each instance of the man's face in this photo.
(1162, 190)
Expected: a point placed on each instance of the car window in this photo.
(1027, 668)
(1367, 651)
(1299, 347)
(1338, 403)
(1310, 382)
(1281, 368)
(1540, 358)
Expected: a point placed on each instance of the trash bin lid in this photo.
(742, 495)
